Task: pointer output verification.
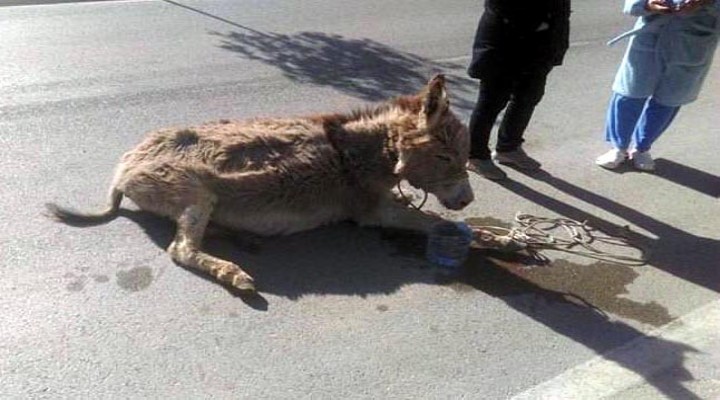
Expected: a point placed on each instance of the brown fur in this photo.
(279, 176)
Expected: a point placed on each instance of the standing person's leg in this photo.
(493, 96)
(527, 93)
(622, 116)
(654, 120)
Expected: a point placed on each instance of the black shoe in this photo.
(487, 169)
(518, 159)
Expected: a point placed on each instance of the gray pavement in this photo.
(8, 3)
(344, 312)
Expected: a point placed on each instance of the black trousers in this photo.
(520, 93)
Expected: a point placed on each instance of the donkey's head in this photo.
(434, 155)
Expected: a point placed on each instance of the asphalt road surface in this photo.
(102, 312)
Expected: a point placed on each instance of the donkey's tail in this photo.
(78, 218)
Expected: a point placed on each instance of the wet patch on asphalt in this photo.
(77, 282)
(601, 286)
(135, 279)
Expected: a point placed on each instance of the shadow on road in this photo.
(675, 251)
(689, 177)
(687, 256)
(579, 320)
(347, 260)
(361, 68)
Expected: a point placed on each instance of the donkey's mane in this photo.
(410, 103)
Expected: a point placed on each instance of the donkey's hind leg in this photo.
(186, 248)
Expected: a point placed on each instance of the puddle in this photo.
(135, 279)
(603, 285)
(600, 285)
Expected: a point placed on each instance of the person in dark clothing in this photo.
(516, 45)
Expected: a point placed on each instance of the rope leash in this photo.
(409, 201)
(534, 233)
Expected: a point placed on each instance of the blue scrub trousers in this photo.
(640, 120)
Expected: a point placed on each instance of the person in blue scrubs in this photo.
(669, 55)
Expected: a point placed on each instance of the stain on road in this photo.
(77, 283)
(600, 286)
(135, 279)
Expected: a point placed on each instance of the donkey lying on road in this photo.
(279, 176)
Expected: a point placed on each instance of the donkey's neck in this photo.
(368, 144)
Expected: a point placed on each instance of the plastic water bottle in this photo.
(448, 245)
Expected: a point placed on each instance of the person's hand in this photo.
(658, 7)
(690, 6)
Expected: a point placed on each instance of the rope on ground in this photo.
(536, 233)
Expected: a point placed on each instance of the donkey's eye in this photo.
(443, 157)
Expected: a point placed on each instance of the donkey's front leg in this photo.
(395, 215)
(391, 214)
(185, 249)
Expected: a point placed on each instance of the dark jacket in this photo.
(518, 36)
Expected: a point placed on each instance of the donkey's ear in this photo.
(436, 100)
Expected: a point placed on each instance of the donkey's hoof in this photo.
(244, 283)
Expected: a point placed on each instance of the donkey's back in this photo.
(274, 176)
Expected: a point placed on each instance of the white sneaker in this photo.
(643, 161)
(612, 159)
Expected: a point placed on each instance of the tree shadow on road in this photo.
(362, 68)
(359, 67)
